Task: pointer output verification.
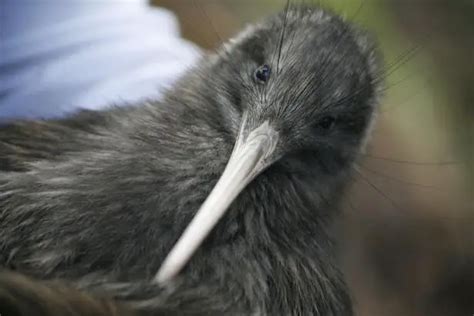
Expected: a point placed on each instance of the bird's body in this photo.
(100, 198)
(116, 226)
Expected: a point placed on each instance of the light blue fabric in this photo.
(58, 56)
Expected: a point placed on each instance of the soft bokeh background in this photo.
(408, 228)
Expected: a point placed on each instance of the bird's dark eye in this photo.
(326, 122)
(262, 74)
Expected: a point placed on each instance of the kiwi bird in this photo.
(217, 199)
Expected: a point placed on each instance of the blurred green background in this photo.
(408, 224)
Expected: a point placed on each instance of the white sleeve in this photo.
(90, 55)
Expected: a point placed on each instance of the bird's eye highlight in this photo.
(326, 122)
(262, 74)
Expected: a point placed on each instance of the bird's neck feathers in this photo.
(278, 239)
(288, 239)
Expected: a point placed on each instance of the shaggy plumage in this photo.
(21, 296)
(99, 198)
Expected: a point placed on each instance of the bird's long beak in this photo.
(248, 159)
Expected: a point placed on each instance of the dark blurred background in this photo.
(407, 231)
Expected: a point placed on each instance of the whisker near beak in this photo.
(248, 159)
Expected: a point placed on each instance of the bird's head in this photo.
(298, 90)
